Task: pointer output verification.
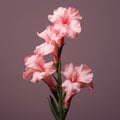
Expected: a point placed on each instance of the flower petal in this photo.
(28, 73)
(44, 49)
(68, 70)
(49, 67)
(86, 74)
(71, 89)
(37, 76)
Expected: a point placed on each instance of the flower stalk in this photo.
(66, 23)
(59, 86)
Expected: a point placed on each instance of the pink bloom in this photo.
(50, 34)
(66, 21)
(76, 78)
(52, 41)
(39, 70)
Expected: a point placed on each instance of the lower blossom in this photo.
(38, 69)
(76, 78)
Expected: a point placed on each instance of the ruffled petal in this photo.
(37, 76)
(68, 70)
(49, 67)
(28, 73)
(44, 49)
(86, 74)
(35, 62)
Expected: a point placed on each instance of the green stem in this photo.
(60, 100)
(59, 92)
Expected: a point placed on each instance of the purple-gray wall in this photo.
(97, 46)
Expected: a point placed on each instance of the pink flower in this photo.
(39, 70)
(66, 21)
(53, 40)
(50, 34)
(76, 78)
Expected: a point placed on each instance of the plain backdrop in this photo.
(98, 46)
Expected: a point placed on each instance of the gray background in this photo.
(97, 46)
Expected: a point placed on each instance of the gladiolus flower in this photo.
(38, 70)
(66, 21)
(50, 34)
(76, 78)
(52, 41)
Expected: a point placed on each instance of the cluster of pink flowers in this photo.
(66, 22)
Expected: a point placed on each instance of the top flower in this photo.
(67, 21)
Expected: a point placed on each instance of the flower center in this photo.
(65, 21)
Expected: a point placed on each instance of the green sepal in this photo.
(53, 107)
(60, 50)
(65, 111)
(63, 96)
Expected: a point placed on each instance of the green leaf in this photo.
(55, 94)
(53, 107)
(55, 78)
